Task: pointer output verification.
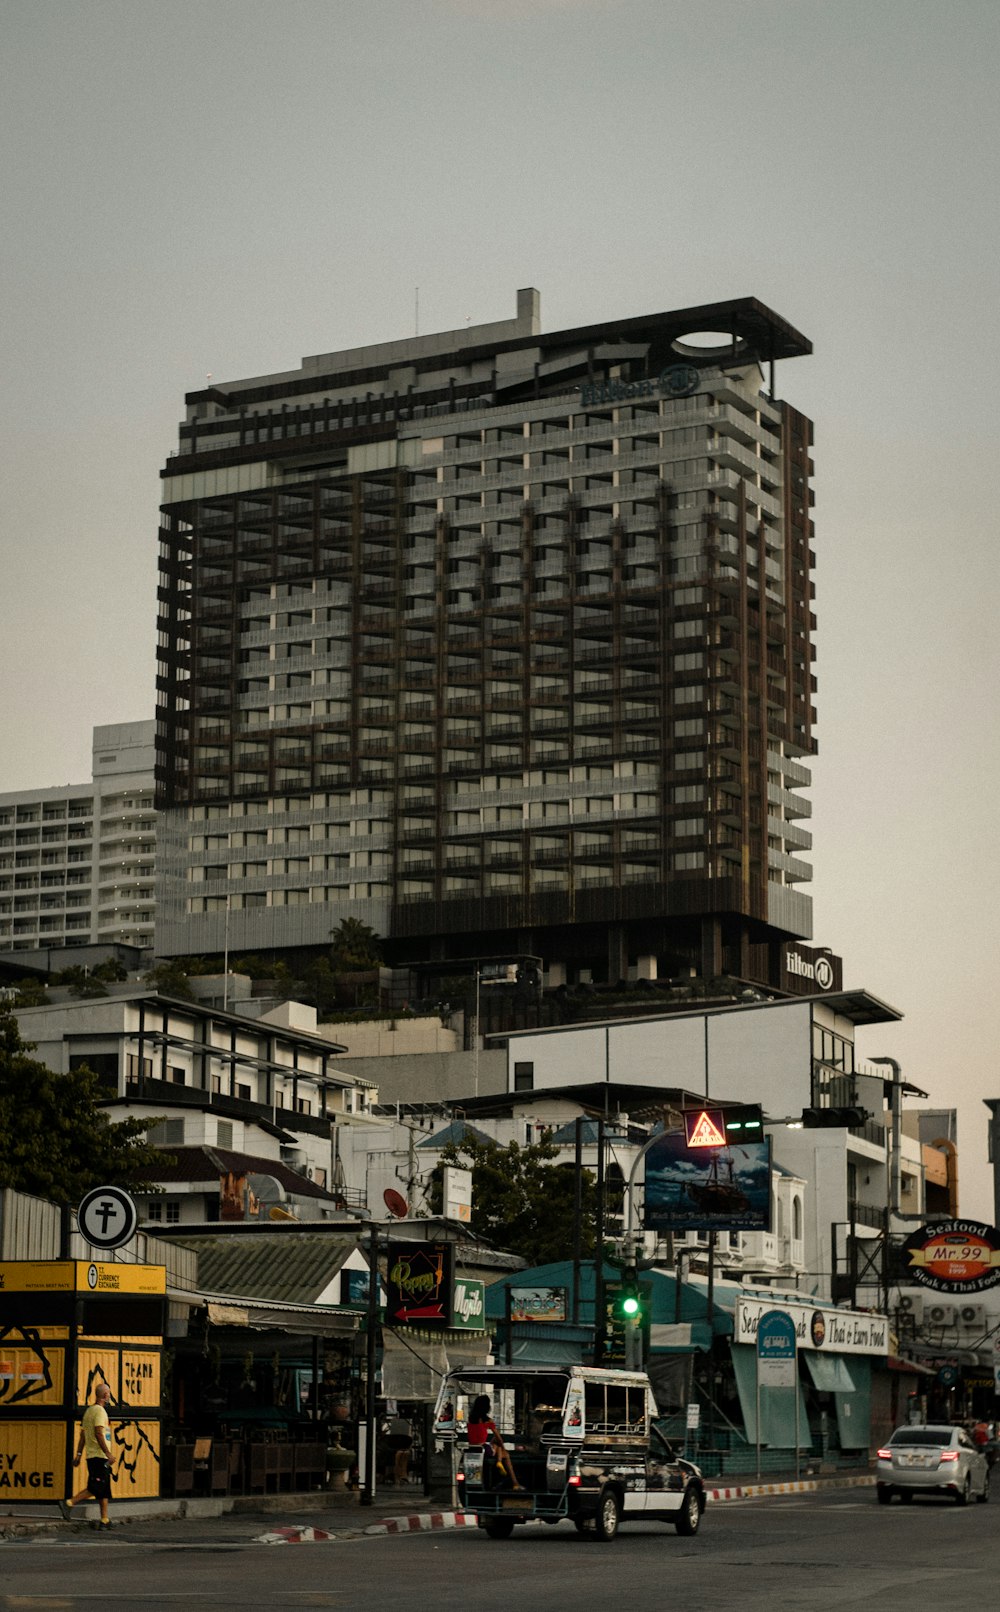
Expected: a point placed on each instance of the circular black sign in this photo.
(107, 1217)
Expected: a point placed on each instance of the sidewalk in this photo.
(241, 1516)
(320, 1516)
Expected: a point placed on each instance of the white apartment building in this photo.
(248, 1108)
(77, 861)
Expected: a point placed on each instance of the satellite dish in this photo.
(395, 1203)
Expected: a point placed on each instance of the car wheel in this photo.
(906, 1495)
(499, 1527)
(982, 1498)
(609, 1515)
(689, 1516)
(965, 1492)
(883, 1493)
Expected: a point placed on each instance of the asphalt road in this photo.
(826, 1550)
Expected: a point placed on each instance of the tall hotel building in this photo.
(499, 642)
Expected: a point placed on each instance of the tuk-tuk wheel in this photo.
(609, 1515)
(499, 1527)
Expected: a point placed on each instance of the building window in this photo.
(524, 1076)
(177, 1075)
(224, 1133)
(689, 825)
(172, 1211)
(154, 1210)
(683, 861)
(168, 1131)
(244, 1092)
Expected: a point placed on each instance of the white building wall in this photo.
(754, 1054)
(820, 1158)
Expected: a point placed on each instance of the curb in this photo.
(753, 1491)
(423, 1521)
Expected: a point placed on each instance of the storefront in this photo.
(828, 1407)
(65, 1327)
(259, 1393)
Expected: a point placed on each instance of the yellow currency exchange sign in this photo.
(79, 1276)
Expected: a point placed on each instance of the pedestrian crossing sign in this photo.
(705, 1128)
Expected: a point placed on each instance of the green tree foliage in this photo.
(354, 947)
(318, 986)
(57, 1141)
(171, 978)
(521, 1200)
(31, 992)
(80, 982)
(112, 971)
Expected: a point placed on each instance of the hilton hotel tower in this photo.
(500, 642)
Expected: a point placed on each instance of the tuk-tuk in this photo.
(576, 1442)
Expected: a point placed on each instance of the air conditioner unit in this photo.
(972, 1315)
(941, 1315)
(911, 1304)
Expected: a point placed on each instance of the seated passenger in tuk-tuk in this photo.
(482, 1432)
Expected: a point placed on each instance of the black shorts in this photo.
(99, 1477)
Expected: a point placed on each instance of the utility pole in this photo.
(600, 1308)
(895, 1175)
(368, 1490)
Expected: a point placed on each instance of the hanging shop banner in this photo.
(954, 1257)
(419, 1283)
(707, 1188)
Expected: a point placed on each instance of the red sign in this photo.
(705, 1127)
(954, 1256)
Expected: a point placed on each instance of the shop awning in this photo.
(830, 1373)
(679, 1337)
(545, 1352)
(304, 1320)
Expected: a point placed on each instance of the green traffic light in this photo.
(630, 1305)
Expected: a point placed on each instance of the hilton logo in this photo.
(820, 971)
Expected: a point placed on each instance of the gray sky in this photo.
(224, 186)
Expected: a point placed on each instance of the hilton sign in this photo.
(807, 971)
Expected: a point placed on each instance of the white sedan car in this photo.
(931, 1460)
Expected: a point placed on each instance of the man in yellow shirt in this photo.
(94, 1441)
